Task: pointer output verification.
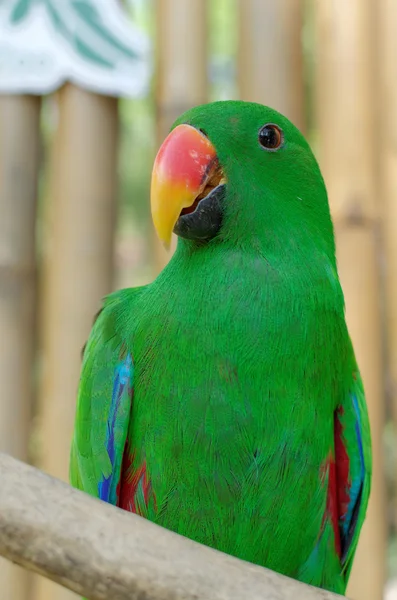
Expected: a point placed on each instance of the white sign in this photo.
(44, 43)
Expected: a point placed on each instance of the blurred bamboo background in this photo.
(74, 205)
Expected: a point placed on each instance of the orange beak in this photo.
(181, 171)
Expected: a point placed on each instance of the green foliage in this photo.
(223, 42)
(223, 34)
(138, 147)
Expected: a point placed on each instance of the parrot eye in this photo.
(271, 137)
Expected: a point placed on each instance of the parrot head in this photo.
(241, 173)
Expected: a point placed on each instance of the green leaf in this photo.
(20, 11)
(92, 17)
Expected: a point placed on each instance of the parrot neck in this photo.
(300, 274)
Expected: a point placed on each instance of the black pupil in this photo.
(269, 136)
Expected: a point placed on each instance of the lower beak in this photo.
(182, 168)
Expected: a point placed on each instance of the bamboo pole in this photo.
(105, 553)
(181, 78)
(348, 150)
(78, 263)
(19, 166)
(388, 94)
(270, 56)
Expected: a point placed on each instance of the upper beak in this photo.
(181, 171)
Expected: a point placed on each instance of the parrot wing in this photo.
(352, 473)
(103, 407)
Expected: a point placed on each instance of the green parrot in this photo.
(223, 400)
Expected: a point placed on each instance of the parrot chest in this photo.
(233, 409)
(241, 352)
(241, 334)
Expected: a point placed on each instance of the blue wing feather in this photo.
(104, 401)
(121, 398)
(356, 441)
(357, 481)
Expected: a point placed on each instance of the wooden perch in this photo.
(105, 553)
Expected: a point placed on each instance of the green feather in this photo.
(241, 359)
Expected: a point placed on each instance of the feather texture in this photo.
(353, 460)
(103, 407)
(246, 429)
(119, 412)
